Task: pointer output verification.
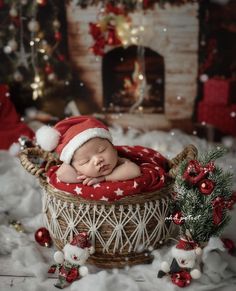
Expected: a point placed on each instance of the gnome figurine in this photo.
(182, 269)
(70, 262)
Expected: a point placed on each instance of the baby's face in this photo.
(97, 157)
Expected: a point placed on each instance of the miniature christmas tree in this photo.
(203, 197)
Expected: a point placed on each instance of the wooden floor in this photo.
(17, 281)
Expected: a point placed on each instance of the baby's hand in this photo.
(90, 180)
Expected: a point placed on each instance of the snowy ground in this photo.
(20, 198)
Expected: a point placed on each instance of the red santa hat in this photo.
(186, 248)
(70, 134)
(81, 240)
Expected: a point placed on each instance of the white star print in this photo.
(104, 198)
(135, 184)
(145, 150)
(157, 168)
(78, 190)
(119, 192)
(58, 180)
(96, 185)
(126, 149)
(152, 159)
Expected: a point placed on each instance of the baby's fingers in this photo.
(81, 178)
(85, 182)
(92, 181)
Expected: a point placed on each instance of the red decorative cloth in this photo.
(11, 126)
(153, 168)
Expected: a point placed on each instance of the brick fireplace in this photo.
(171, 48)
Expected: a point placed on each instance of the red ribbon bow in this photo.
(196, 172)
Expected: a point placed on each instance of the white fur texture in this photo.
(75, 255)
(165, 267)
(47, 138)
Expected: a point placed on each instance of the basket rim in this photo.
(137, 198)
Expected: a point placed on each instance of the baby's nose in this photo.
(98, 160)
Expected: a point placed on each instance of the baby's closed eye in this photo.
(101, 149)
(83, 162)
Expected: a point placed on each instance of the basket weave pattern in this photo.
(123, 232)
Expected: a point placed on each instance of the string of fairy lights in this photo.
(25, 45)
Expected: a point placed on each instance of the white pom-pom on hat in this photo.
(165, 267)
(195, 274)
(47, 138)
(198, 251)
(59, 257)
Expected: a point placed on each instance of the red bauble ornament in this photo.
(178, 218)
(181, 279)
(48, 69)
(42, 237)
(206, 186)
(58, 36)
(61, 57)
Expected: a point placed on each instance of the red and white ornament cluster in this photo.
(110, 29)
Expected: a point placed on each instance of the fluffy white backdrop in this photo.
(20, 198)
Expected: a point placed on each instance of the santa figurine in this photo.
(70, 262)
(182, 269)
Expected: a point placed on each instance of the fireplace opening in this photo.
(125, 78)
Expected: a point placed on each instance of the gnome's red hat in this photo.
(81, 240)
(70, 134)
(186, 248)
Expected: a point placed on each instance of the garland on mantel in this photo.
(129, 4)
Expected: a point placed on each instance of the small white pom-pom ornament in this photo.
(83, 271)
(47, 138)
(59, 257)
(198, 251)
(195, 274)
(165, 267)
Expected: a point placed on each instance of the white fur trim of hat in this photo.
(81, 138)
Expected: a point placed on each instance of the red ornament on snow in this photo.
(206, 186)
(178, 218)
(58, 36)
(42, 237)
(181, 279)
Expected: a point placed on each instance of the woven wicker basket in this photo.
(123, 232)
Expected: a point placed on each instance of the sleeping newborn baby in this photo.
(84, 146)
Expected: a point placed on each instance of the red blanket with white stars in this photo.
(153, 168)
